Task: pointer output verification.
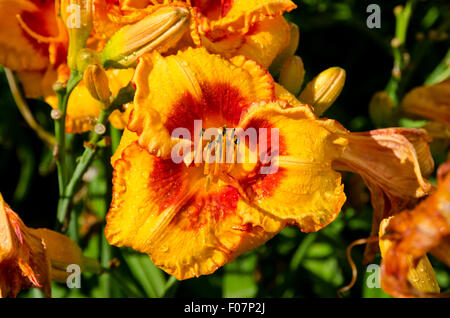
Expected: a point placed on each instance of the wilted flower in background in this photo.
(34, 257)
(410, 236)
(393, 163)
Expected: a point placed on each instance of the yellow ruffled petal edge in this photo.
(305, 190)
(186, 231)
(174, 91)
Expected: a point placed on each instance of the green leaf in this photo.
(238, 280)
(149, 276)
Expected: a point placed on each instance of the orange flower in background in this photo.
(430, 102)
(414, 233)
(253, 28)
(192, 218)
(31, 35)
(33, 42)
(34, 257)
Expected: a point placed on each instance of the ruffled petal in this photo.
(186, 231)
(240, 15)
(304, 189)
(174, 91)
(262, 44)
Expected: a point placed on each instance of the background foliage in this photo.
(293, 264)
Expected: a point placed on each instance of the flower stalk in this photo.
(124, 96)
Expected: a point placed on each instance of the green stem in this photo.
(84, 162)
(401, 29)
(60, 130)
(441, 72)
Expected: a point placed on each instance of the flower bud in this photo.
(77, 15)
(159, 31)
(288, 51)
(324, 89)
(292, 74)
(381, 109)
(96, 82)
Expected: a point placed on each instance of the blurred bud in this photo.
(324, 89)
(78, 18)
(398, 9)
(420, 276)
(429, 102)
(292, 74)
(61, 251)
(381, 109)
(289, 50)
(159, 31)
(96, 82)
(420, 36)
(396, 42)
(87, 57)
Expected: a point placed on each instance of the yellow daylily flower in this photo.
(33, 257)
(405, 270)
(193, 217)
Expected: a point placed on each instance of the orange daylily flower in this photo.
(414, 233)
(31, 35)
(33, 257)
(192, 218)
(33, 42)
(253, 28)
(393, 163)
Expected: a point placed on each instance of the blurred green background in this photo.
(293, 264)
